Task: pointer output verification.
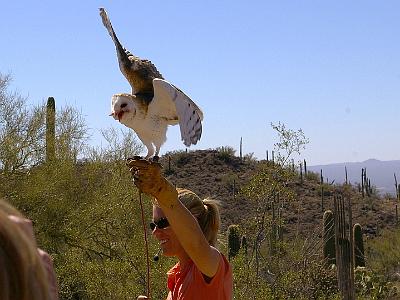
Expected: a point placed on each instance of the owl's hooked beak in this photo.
(117, 115)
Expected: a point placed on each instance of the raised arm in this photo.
(148, 178)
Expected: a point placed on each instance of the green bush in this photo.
(233, 241)
(180, 158)
(225, 153)
(291, 276)
(380, 278)
(370, 285)
(87, 216)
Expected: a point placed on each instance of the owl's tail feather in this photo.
(122, 53)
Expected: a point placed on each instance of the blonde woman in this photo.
(26, 273)
(186, 228)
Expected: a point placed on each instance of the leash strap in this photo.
(146, 246)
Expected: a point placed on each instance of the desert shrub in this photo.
(327, 190)
(382, 256)
(282, 269)
(312, 176)
(288, 276)
(179, 158)
(370, 285)
(246, 282)
(389, 196)
(86, 213)
(249, 157)
(225, 153)
(87, 217)
(290, 142)
(233, 240)
(228, 179)
(22, 130)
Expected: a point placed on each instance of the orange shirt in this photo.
(189, 283)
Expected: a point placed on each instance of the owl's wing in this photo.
(171, 103)
(139, 72)
(123, 57)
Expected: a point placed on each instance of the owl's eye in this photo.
(123, 105)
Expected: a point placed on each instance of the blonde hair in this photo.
(9, 209)
(205, 211)
(22, 275)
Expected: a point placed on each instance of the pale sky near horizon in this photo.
(331, 68)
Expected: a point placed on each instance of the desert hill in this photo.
(221, 175)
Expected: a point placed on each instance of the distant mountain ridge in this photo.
(380, 172)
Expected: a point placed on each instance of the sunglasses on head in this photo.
(160, 224)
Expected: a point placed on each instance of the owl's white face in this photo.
(121, 105)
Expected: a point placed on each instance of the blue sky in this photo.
(331, 68)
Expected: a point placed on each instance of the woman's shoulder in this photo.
(224, 270)
(224, 265)
(217, 287)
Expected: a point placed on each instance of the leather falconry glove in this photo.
(148, 178)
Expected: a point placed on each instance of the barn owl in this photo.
(154, 102)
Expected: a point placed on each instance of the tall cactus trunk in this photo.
(329, 238)
(362, 182)
(233, 241)
(50, 129)
(359, 259)
(322, 191)
(398, 193)
(301, 173)
(241, 153)
(344, 246)
(272, 244)
(243, 244)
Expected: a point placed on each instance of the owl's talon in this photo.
(155, 158)
(129, 160)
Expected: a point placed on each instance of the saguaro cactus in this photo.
(365, 183)
(233, 241)
(343, 245)
(305, 168)
(50, 129)
(243, 244)
(359, 259)
(301, 173)
(322, 191)
(329, 237)
(241, 144)
(362, 182)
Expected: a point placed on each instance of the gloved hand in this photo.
(148, 178)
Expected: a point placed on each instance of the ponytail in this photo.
(205, 211)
